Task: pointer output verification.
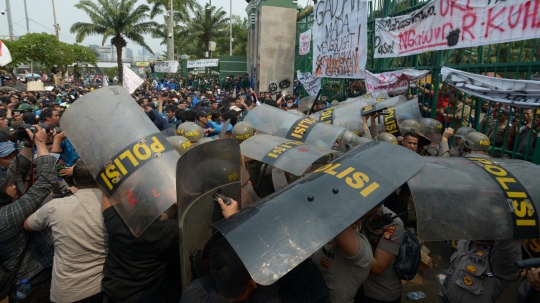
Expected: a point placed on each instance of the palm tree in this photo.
(119, 19)
(180, 8)
(207, 24)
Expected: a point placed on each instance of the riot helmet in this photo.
(460, 133)
(181, 144)
(409, 126)
(432, 129)
(204, 140)
(388, 137)
(242, 131)
(181, 127)
(349, 140)
(476, 141)
(193, 132)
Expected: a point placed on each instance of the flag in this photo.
(251, 80)
(5, 56)
(105, 82)
(234, 93)
(131, 80)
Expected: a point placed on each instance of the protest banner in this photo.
(202, 63)
(524, 93)
(166, 67)
(5, 56)
(340, 38)
(311, 84)
(449, 24)
(131, 80)
(305, 40)
(395, 82)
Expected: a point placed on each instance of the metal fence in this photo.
(512, 131)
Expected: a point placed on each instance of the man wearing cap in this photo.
(7, 154)
(25, 108)
(9, 132)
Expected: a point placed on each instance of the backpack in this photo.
(408, 259)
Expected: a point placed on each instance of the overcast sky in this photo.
(40, 13)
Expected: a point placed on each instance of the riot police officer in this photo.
(457, 144)
(385, 234)
(481, 269)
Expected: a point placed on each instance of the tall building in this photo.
(129, 54)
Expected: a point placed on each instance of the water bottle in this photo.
(416, 295)
(23, 290)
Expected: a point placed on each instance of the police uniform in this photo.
(343, 275)
(436, 150)
(480, 273)
(385, 286)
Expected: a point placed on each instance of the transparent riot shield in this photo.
(291, 156)
(369, 98)
(131, 160)
(476, 199)
(340, 115)
(273, 121)
(393, 116)
(285, 228)
(200, 173)
(306, 103)
(382, 104)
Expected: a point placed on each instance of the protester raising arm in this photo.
(14, 214)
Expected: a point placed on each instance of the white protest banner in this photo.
(202, 63)
(340, 38)
(524, 93)
(131, 80)
(5, 56)
(305, 40)
(311, 84)
(394, 82)
(448, 24)
(166, 66)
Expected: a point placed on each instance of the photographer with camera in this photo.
(26, 258)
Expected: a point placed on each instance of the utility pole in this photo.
(170, 29)
(56, 26)
(26, 15)
(230, 30)
(10, 24)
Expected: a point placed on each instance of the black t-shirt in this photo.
(135, 267)
(203, 291)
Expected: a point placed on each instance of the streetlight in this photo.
(56, 25)
(10, 24)
(230, 30)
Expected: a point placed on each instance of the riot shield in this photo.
(291, 156)
(133, 162)
(369, 98)
(382, 104)
(306, 103)
(340, 115)
(274, 121)
(477, 199)
(395, 115)
(201, 172)
(285, 228)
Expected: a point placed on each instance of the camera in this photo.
(49, 128)
(22, 134)
(3, 12)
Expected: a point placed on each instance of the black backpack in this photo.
(408, 259)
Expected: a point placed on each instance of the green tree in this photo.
(206, 25)
(119, 19)
(45, 48)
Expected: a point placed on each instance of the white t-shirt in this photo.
(80, 243)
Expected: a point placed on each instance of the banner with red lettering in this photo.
(339, 36)
(305, 41)
(449, 24)
(523, 93)
(395, 82)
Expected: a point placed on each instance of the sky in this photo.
(40, 13)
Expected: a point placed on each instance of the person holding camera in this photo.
(80, 238)
(26, 256)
